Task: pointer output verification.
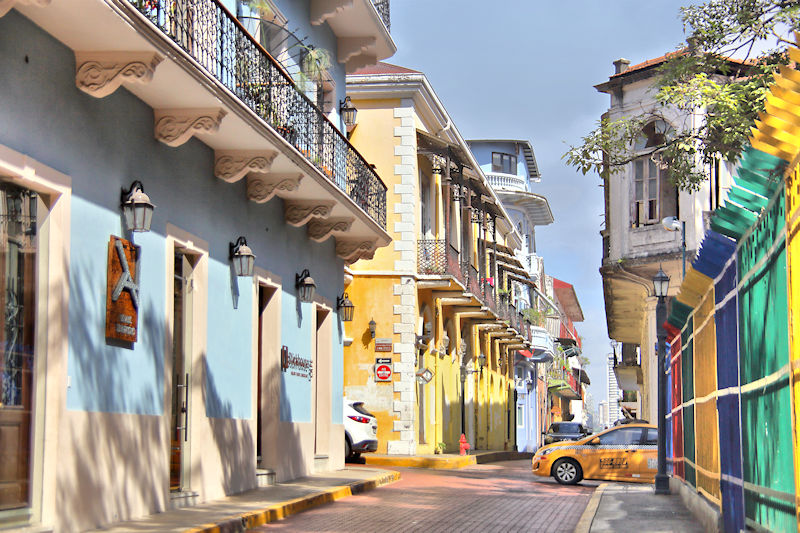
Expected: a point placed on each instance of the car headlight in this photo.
(546, 451)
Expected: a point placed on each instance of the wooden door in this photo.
(17, 312)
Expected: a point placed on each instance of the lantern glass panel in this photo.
(306, 292)
(128, 213)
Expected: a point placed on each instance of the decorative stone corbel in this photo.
(348, 47)
(361, 61)
(6, 5)
(320, 230)
(322, 10)
(176, 126)
(298, 213)
(352, 251)
(262, 187)
(233, 165)
(101, 73)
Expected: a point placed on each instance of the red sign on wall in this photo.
(383, 369)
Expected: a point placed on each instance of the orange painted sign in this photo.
(122, 290)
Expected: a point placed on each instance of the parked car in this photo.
(360, 429)
(559, 431)
(623, 453)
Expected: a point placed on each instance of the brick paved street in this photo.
(501, 497)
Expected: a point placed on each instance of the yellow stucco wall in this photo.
(375, 140)
(373, 298)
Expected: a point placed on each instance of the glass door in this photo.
(181, 366)
(17, 312)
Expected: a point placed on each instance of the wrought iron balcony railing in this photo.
(211, 35)
(563, 378)
(383, 10)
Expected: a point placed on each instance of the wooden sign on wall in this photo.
(122, 290)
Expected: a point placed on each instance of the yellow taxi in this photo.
(622, 453)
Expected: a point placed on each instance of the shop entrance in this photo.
(321, 381)
(183, 269)
(18, 246)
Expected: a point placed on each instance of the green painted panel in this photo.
(768, 454)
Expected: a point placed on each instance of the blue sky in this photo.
(526, 69)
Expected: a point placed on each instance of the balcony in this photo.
(629, 373)
(435, 257)
(207, 80)
(382, 6)
(510, 182)
(563, 382)
(211, 35)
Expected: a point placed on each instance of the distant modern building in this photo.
(613, 412)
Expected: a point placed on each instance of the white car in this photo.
(360, 429)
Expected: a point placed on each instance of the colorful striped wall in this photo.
(736, 368)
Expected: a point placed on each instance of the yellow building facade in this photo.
(433, 304)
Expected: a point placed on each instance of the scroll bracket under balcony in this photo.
(352, 251)
(101, 73)
(299, 213)
(6, 5)
(349, 47)
(262, 187)
(176, 126)
(361, 61)
(233, 165)
(320, 230)
(322, 10)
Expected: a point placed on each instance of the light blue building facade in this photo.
(232, 380)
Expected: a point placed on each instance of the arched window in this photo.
(654, 196)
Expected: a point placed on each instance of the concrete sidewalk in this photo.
(445, 460)
(635, 507)
(260, 506)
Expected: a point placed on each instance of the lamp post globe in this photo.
(660, 283)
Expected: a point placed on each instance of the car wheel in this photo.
(348, 450)
(567, 472)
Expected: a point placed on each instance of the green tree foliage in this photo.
(701, 76)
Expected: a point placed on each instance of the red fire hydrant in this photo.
(463, 445)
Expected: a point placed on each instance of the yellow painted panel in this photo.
(793, 279)
(705, 383)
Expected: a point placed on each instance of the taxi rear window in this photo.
(566, 427)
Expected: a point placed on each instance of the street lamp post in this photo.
(660, 288)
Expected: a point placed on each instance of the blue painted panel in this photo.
(103, 377)
(229, 361)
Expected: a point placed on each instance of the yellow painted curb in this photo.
(282, 510)
(444, 463)
(585, 523)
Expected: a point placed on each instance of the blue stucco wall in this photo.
(103, 145)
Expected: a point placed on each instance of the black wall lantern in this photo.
(372, 326)
(348, 111)
(242, 257)
(136, 208)
(345, 307)
(305, 285)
